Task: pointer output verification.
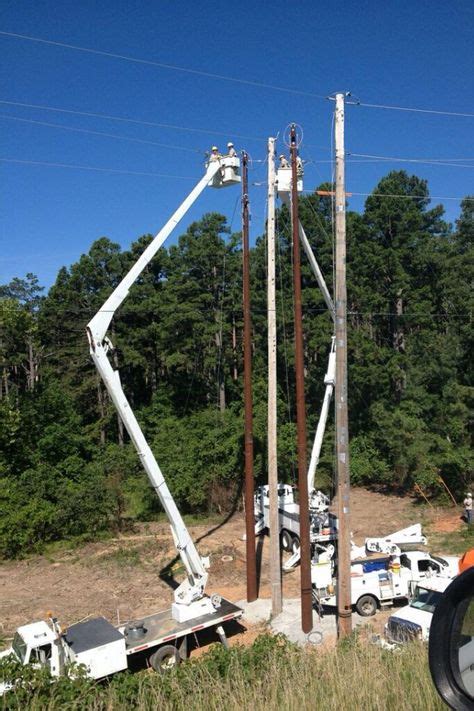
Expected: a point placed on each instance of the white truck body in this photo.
(414, 620)
(386, 585)
(105, 649)
(323, 524)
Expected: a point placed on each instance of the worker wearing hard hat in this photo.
(468, 508)
(283, 161)
(231, 152)
(215, 155)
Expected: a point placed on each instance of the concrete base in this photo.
(288, 622)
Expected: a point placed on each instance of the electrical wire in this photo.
(415, 110)
(406, 197)
(415, 160)
(162, 65)
(100, 133)
(224, 77)
(388, 159)
(93, 168)
(111, 117)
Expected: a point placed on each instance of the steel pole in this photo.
(248, 399)
(305, 546)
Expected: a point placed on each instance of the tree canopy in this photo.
(67, 467)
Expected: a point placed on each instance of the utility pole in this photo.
(344, 619)
(305, 546)
(248, 400)
(275, 560)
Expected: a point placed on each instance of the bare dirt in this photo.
(120, 578)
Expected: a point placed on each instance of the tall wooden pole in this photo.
(342, 420)
(305, 546)
(248, 400)
(275, 556)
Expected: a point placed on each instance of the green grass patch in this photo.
(270, 674)
(454, 542)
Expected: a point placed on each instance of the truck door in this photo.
(41, 656)
(428, 567)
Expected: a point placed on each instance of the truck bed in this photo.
(161, 627)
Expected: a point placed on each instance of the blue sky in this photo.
(405, 53)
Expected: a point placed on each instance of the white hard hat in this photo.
(214, 148)
(229, 144)
(468, 493)
(282, 156)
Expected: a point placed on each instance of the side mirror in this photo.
(451, 643)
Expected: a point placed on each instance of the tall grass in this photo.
(271, 674)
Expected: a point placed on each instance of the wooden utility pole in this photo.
(305, 546)
(344, 619)
(275, 559)
(248, 400)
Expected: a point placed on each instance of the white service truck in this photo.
(373, 589)
(162, 637)
(414, 620)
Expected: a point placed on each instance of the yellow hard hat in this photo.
(214, 148)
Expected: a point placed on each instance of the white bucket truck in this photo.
(161, 637)
(378, 582)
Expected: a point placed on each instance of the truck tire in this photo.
(165, 658)
(295, 543)
(286, 540)
(366, 605)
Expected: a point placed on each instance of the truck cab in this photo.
(424, 565)
(35, 644)
(413, 621)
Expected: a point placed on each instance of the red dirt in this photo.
(120, 577)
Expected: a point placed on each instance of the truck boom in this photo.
(189, 600)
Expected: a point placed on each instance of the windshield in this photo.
(19, 647)
(440, 560)
(425, 600)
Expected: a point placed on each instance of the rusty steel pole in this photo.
(248, 400)
(343, 591)
(305, 546)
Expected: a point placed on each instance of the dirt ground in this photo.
(126, 577)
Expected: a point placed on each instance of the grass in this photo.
(454, 542)
(270, 674)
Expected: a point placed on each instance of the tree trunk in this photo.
(234, 348)
(101, 405)
(219, 372)
(398, 340)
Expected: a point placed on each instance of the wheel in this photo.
(285, 540)
(165, 659)
(295, 543)
(366, 606)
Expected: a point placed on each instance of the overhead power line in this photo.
(163, 65)
(90, 167)
(140, 122)
(415, 110)
(100, 133)
(223, 77)
(454, 163)
(412, 197)
(431, 160)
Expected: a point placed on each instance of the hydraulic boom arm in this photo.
(192, 588)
